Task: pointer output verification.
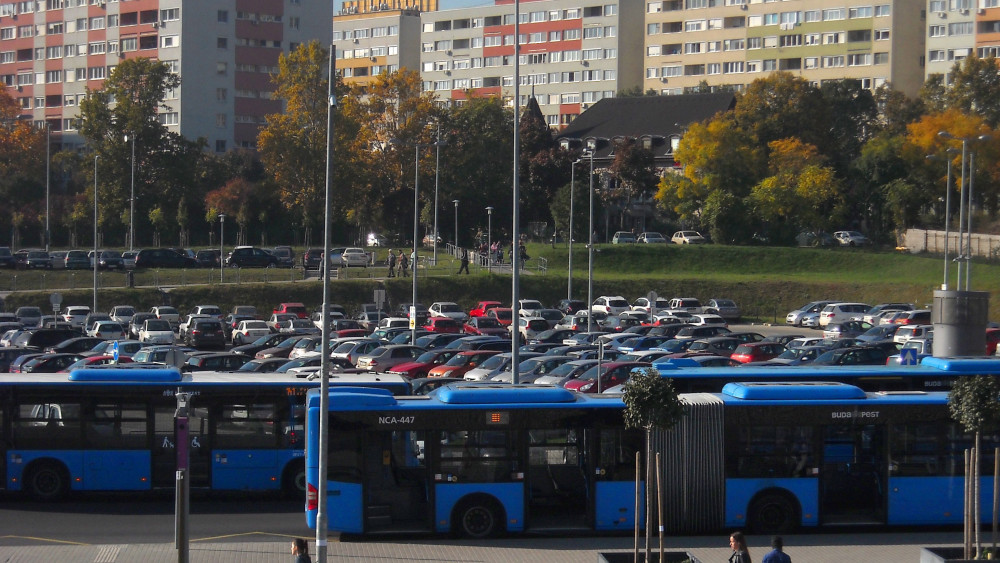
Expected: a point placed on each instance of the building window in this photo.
(221, 94)
(129, 44)
(220, 120)
(220, 145)
(222, 16)
(881, 58)
(936, 30)
(881, 35)
(883, 10)
(221, 43)
(859, 12)
(168, 41)
(936, 56)
(221, 68)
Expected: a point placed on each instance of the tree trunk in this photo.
(649, 494)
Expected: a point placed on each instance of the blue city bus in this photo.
(932, 374)
(474, 459)
(113, 429)
(768, 457)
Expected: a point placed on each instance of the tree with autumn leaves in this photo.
(22, 164)
(793, 157)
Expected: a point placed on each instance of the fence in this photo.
(980, 246)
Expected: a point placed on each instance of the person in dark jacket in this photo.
(739, 545)
(777, 554)
(465, 261)
(300, 549)
(392, 264)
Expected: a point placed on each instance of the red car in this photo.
(485, 326)
(443, 324)
(611, 374)
(757, 351)
(461, 363)
(349, 333)
(423, 363)
(483, 306)
(297, 308)
(502, 314)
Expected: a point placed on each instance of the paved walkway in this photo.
(254, 548)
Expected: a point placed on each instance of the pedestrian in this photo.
(392, 264)
(777, 554)
(300, 549)
(465, 261)
(738, 543)
(403, 265)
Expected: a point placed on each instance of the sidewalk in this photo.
(808, 548)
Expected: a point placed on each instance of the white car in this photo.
(108, 330)
(642, 304)
(702, 319)
(168, 314)
(354, 257)
(447, 309)
(122, 313)
(688, 237)
(611, 304)
(248, 331)
(156, 331)
(840, 312)
(650, 237)
(76, 315)
(527, 307)
(850, 238)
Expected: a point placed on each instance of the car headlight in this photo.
(586, 387)
(447, 373)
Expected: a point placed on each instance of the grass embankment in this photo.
(766, 282)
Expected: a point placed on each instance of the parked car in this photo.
(423, 363)
(503, 315)
(795, 317)
(384, 358)
(688, 237)
(312, 258)
(840, 312)
(444, 324)
(877, 311)
(461, 363)
(128, 259)
(7, 258)
(612, 305)
(49, 363)
(571, 306)
(725, 308)
(156, 331)
(208, 258)
(77, 260)
(168, 314)
(815, 239)
(248, 331)
(205, 332)
(846, 329)
(376, 239)
(447, 309)
(163, 258)
(907, 332)
(853, 356)
(74, 345)
(623, 237)
(644, 305)
(915, 317)
(297, 309)
(850, 238)
(877, 333)
(756, 352)
(250, 257)
(603, 376)
(108, 330)
(285, 256)
(482, 307)
(106, 260)
(222, 361)
(355, 257)
(651, 237)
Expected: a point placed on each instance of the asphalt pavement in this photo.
(260, 547)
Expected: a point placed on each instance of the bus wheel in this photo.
(293, 483)
(773, 514)
(47, 482)
(479, 518)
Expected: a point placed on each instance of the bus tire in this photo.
(773, 513)
(478, 517)
(47, 481)
(293, 481)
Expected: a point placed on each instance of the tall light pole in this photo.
(590, 249)
(489, 238)
(48, 160)
(413, 261)
(515, 278)
(437, 167)
(96, 261)
(572, 188)
(965, 239)
(455, 201)
(222, 244)
(131, 208)
(947, 215)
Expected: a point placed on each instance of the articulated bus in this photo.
(113, 429)
(932, 374)
(770, 457)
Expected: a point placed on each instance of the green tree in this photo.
(781, 106)
(975, 89)
(127, 105)
(651, 403)
(634, 172)
(853, 119)
(293, 144)
(974, 402)
(544, 165)
(22, 151)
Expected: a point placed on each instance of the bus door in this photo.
(854, 474)
(560, 488)
(397, 484)
(164, 453)
(614, 475)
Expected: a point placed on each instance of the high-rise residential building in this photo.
(733, 42)
(372, 37)
(225, 51)
(572, 53)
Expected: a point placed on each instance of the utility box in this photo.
(960, 319)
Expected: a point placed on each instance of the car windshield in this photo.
(450, 308)
(494, 362)
(157, 325)
(167, 311)
(506, 314)
(459, 360)
(564, 370)
(484, 322)
(592, 373)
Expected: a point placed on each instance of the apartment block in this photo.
(372, 37)
(572, 54)
(225, 51)
(733, 42)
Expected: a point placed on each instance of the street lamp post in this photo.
(131, 208)
(96, 261)
(455, 201)
(222, 244)
(965, 242)
(590, 250)
(437, 167)
(572, 188)
(48, 160)
(489, 238)
(413, 261)
(947, 215)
